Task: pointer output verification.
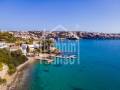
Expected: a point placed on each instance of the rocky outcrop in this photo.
(94, 35)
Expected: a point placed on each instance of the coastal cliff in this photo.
(95, 35)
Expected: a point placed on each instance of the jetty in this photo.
(66, 57)
(42, 57)
(48, 60)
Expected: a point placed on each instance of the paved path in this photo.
(4, 71)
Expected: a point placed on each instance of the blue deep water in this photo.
(97, 67)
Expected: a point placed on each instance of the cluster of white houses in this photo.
(23, 47)
(31, 47)
(13, 47)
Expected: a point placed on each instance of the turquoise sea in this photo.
(96, 67)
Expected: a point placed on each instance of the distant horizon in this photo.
(48, 30)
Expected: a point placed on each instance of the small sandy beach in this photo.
(11, 79)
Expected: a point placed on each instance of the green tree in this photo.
(46, 44)
(1, 66)
(28, 49)
(2, 81)
(12, 59)
(6, 36)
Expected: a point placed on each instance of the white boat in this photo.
(67, 57)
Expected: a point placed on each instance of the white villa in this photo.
(3, 45)
(32, 47)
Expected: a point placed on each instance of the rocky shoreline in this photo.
(16, 81)
(96, 35)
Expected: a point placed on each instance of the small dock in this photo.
(44, 59)
(48, 60)
(66, 57)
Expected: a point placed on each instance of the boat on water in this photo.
(66, 57)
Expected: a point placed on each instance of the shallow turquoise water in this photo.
(98, 69)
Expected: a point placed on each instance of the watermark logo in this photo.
(66, 42)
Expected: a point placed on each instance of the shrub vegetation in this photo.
(12, 59)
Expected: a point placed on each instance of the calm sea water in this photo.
(98, 69)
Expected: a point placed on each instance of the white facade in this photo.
(23, 49)
(3, 45)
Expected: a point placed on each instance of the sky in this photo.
(82, 15)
